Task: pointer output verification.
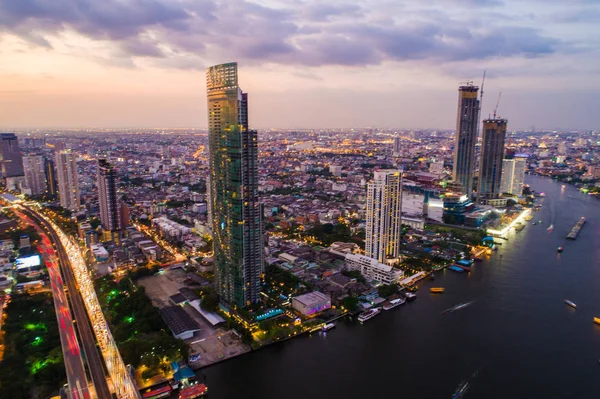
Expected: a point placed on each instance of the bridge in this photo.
(90, 319)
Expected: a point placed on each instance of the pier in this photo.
(576, 229)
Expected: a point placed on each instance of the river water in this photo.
(517, 340)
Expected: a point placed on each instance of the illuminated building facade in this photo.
(110, 209)
(384, 215)
(10, 155)
(35, 176)
(513, 175)
(466, 137)
(235, 211)
(68, 180)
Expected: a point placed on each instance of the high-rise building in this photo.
(397, 145)
(108, 200)
(10, 155)
(68, 180)
(492, 155)
(35, 174)
(466, 137)
(236, 212)
(384, 215)
(513, 176)
(50, 170)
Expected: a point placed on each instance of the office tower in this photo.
(50, 171)
(466, 137)
(384, 214)
(10, 155)
(35, 174)
(513, 175)
(492, 154)
(237, 224)
(397, 145)
(68, 180)
(110, 213)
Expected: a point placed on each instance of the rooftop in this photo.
(178, 320)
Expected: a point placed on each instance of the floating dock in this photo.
(576, 229)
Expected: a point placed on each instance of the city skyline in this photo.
(381, 64)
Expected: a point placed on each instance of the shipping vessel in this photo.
(369, 314)
(576, 229)
(597, 320)
(436, 290)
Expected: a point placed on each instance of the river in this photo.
(517, 340)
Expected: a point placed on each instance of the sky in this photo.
(304, 63)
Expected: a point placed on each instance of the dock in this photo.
(576, 229)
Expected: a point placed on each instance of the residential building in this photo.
(110, 210)
(68, 180)
(372, 269)
(238, 233)
(35, 174)
(384, 213)
(466, 137)
(513, 175)
(492, 155)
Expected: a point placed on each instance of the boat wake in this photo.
(550, 228)
(458, 307)
(464, 386)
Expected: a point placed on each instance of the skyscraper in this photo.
(384, 215)
(397, 146)
(51, 183)
(492, 154)
(10, 155)
(68, 180)
(513, 175)
(107, 197)
(236, 213)
(35, 174)
(466, 137)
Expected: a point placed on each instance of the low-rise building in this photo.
(372, 269)
(311, 303)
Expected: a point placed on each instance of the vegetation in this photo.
(141, 334)
(32, 366)
(354, 274)
(282, 281)
(351, 303)
(17, 233)
(210, 301)
(468, 236)
(387, 290)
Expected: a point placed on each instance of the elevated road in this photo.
(88, 341)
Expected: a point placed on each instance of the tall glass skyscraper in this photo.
(466, 137)
(108, 198)
(235, 209)
(492, 154)
(384, 216)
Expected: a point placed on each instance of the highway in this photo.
(88, 341)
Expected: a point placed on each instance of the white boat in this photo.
(393, 303)
(410, 296)
(369, 314)
(327, 327)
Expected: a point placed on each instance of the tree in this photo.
(387, 290)
(210, 301)
(351, 303)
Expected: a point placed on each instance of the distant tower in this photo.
(10, 155)
(35, 174)
(397, 145)
(110, 212)
(50, 171)
(236, 212)
(384, 215)
(68, 180)
(466, 137)
(492, 154)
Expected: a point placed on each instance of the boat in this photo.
(195, 391)
(436, 290)
(369, 314)
(410, 296)
(465, 268)
(327, 327)
(571, 304)
(560, 249)
(519, 226)
(576, 229)
(458, 307)
(393, 303)
(597, 320)
(456, 269)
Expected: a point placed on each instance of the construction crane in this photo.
(497, 104)
(481, 92)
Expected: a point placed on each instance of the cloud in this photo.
(309, 34)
